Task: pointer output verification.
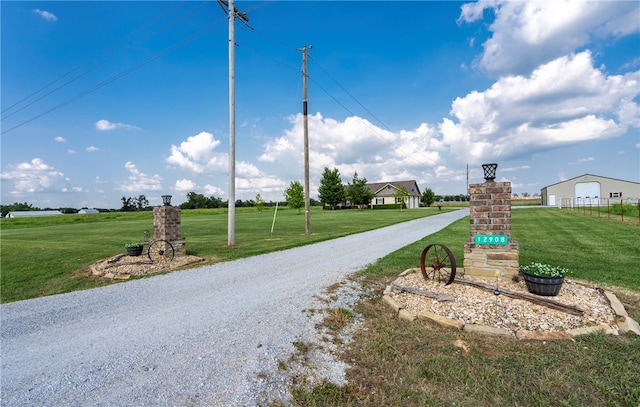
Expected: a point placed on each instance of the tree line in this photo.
(332, 193)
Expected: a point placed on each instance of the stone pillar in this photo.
(166, 226)
(490, 252)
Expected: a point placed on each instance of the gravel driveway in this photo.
(218, 335)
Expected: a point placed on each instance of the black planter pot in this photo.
(547, 286)
(134, 251)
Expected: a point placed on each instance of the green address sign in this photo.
(491, 239)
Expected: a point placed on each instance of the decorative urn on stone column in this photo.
(490, 251)
(166, 225)
(490, 171)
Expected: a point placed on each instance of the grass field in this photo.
(399, 363)
(45, 256)
(393, 362)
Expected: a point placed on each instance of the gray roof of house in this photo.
(411, 186)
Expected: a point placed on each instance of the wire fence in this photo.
(623, 209)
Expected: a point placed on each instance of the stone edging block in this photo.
(624, 322)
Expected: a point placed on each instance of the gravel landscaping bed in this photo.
(472, 305)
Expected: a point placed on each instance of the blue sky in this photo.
(102, 100)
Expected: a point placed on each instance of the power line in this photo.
(116, 77)
(366, 123)
(348, 93)
(121, 74)
(86, 62)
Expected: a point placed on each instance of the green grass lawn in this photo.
(393, 362)
(400, 363)
(45, 256)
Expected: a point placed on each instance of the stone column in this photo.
(490, 252)
(166, 226)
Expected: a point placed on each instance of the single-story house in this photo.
(21, 214)
(384, 193)
(87, 211)
(588, 189)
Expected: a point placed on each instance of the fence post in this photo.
(621, 210)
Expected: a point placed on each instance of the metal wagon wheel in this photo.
(160, 251)
(437, 261)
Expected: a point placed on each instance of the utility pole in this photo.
(307, 210)
(468, 192)
(231, 219)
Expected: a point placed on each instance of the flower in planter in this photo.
(544, 270)
(134, 249)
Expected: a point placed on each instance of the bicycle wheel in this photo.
(437, 261)
(160, 251)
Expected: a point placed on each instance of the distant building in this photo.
(24, 214)
(87, 211)
(589, 189)
(385, 193)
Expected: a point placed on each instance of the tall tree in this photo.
(428, 197)
(401, 195)
(127, 204)
(141, 203)
(357, 191)
(331, 190)
(197, 201)
(259, 203)
(295, 195)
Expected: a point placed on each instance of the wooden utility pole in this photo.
(307, 210)
(231, 219)
(231, 204)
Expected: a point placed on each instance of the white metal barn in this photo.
(24, 214)
(589, 189)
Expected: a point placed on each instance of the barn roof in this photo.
(19, 214)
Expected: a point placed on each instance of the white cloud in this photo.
(60, 139)
(139, 181)
(35, 177)
(105, 125)
(92, 149)
(46, 15)
(185, 185)
(197, 154)
(565, 101)
(70, 151)
(528, 33)
(584, 160)
(353, 145)
(212, 190)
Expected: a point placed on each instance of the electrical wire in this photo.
(375, 130)
(116, 77)
(348, 93)
(86, 62)
(121, 74)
